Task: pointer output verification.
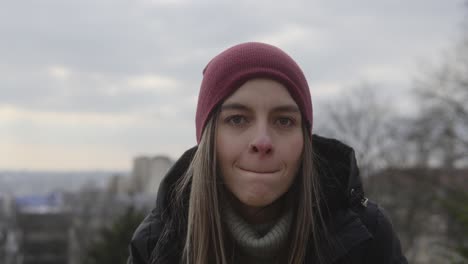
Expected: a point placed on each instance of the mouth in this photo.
(262, 171)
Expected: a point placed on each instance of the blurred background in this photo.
(97, 101)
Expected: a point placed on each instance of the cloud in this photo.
(10, 114)
(289, 34)
(128, 72)
(40, 156)
(49, 140)
(165, 3)
(385, 73)
(152, 83)
(60, 88)
(59, 72)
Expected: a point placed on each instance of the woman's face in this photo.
(259, 142)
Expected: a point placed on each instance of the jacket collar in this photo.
(342, 186)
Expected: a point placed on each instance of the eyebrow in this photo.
(281, 108)
(234, 106)
(286, 108)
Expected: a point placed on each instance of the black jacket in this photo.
(360, 230)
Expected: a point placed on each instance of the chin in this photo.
(257, 204)
(258, 200)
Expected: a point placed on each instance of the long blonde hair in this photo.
(205, 238)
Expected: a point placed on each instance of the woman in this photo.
(259, 187)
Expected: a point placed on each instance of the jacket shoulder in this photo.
(370, 240)
(145, 238)
(385, 246)
(337, 168)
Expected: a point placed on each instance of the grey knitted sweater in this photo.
(261, 243)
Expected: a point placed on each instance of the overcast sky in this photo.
(91, 84)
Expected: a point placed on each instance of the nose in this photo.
(262, 143)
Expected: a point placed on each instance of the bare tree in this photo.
(442, 128)
(362, 118)
(439, 136)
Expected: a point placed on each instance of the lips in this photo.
(260, 171)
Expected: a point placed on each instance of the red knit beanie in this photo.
(233, 67)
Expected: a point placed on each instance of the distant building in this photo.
(119, 185)
(44, 237)
(8, 247)
(3, 228)
(42, 230)
(6, 206)
(147, 173)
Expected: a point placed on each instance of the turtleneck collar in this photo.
(260, 242)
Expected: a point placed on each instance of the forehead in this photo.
(261, 92)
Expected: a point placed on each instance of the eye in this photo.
(285, 122)
(236, 120)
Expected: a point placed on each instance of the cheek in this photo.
(298, 147)
(291, 154)
(223, 145)
(229, 145)
(291, 150)
(227, 151)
